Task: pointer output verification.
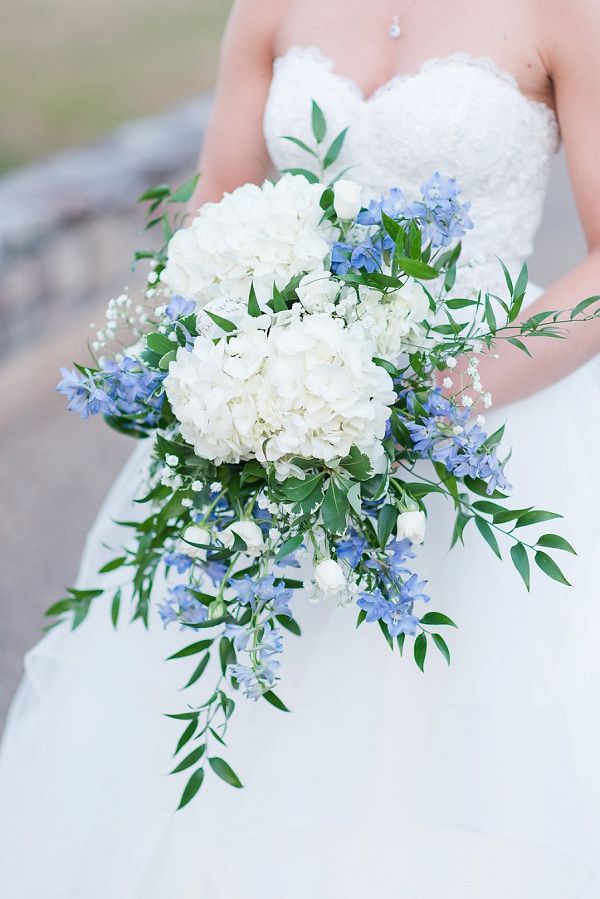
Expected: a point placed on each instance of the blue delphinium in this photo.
(260, 674)
(351, 548)
(85, 396)
(447, 435)
(179, 307)
(365, 256)
(179, 561)
(133, 388)
(181, 605)
(123, 388)
(439, 213)
(396, 615)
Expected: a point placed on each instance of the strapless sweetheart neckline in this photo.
(483, 64)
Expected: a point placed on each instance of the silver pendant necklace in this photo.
(395, 30)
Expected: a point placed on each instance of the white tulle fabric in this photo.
(476, 781)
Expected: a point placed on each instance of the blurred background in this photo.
(98, 101)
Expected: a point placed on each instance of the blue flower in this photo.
(352, 548)
(84, 394)
(179, 561)
(179, 307)
(340, 258)
(397, 615)
(366, 257)
(215, 571)
(181, 605)
(239, 634)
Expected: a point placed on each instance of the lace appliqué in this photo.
(458, 114)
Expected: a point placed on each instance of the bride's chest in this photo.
(458, 115)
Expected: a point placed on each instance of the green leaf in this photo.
(115, 607)
(487, 507)
(460, 303)
(401, 640)
(199, 670)
(227, 654)
(166, 360)
(253, 308)
(223, 323)
(335, 149)
(488, 535)
(520, 345)
(159, 343)
(186, 735)
(550, 568)
(310, 176)
(192, 787)
(442, 646)
(581, 307)
(355, 498)
(555, 542)
(386, 522)
(289, 546)
(335, 507)
(191, 650)
(190, 759)
(278, 303)
(290, 624)
(489, 316)
(224, 771)
(319, 124)
(507, 278)
(460, 524)
(155, 193)
(416, 268)
(420, 651)
(275, 701)
(535, 516)
(391, 226)
(186, 191)
(301, 144)
(521, 282)
(437, 618)
(520, 560)
(113, 565)
(358, 464)
(296, 489)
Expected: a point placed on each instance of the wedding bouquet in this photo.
(308, 377)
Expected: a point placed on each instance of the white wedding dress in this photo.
(478, 781)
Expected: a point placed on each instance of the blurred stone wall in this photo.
(65, 223)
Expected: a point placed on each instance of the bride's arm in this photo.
(573, 61)
(234, 150)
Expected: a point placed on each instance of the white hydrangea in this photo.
(266, 235)
(317, 291)
(307, 386)
(394, 319)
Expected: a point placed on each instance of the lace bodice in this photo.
(459, 115)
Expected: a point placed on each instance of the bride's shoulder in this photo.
(258, 16)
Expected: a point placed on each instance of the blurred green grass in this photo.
(69, 70)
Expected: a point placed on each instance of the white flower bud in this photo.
(330, 578)
(411, 526)
(248, 531)
(347, 199)
(195, 534)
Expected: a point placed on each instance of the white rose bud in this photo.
(248, 531)
(195, 534)
(411, 525)
(347, 199)
(330, 578)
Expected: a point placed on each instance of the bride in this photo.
(481, 780)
